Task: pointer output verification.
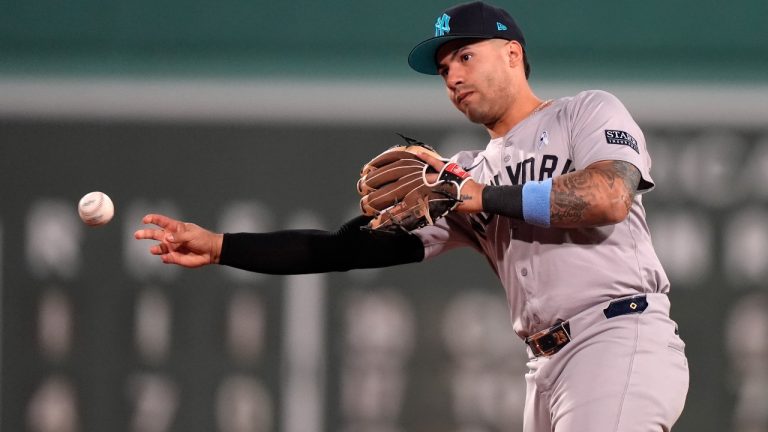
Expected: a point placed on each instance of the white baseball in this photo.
(96, 208)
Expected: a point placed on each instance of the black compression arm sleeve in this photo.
(316, 251)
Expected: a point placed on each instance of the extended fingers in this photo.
(162, 221)
(149, 234)
(159, 249)
(168, 227)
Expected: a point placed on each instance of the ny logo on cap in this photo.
(441, 26)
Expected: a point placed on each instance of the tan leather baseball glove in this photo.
(396, 190)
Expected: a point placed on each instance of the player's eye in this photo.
(466, 57)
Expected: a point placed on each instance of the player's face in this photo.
(478, 78)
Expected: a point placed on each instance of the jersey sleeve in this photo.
(603, 129)
(451, 232)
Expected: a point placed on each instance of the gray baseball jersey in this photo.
(552, 274)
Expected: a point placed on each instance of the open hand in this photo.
(181, 243)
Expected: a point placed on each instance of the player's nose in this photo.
(453, 78)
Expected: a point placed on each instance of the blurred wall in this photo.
(219, 113)
(98, 333)
(656, 39)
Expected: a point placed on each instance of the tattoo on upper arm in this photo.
(574, 196)
(629, 174)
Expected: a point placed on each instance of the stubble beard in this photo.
(488, 107)
(476, 116)
(479, 114)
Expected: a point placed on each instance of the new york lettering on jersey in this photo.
(536, 150)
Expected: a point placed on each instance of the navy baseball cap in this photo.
(476, 20)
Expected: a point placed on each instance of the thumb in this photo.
(434, 162)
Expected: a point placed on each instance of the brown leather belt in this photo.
(549, 341)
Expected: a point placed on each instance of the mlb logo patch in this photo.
(621, 138)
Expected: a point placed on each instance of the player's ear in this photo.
(515, 53)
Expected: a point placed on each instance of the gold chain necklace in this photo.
(541, 106)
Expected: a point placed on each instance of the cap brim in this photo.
(422, 57)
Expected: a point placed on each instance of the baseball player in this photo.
(554, 202)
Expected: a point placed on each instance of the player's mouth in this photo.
(460, 97)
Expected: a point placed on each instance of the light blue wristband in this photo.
(536, 202)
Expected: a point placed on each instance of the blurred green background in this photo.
(653, 39)
(208, 110)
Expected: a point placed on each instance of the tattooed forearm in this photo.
(598, 195)
(571, 197)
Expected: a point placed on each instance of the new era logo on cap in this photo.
(500, 26)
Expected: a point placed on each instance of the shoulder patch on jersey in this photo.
(621, 138)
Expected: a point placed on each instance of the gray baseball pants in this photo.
(628, 373)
